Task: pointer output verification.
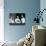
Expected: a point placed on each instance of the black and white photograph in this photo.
(17, 18)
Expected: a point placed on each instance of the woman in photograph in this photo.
(11, 19)
(22, 19)
(17, 20)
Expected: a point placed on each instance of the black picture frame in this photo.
(17, 18)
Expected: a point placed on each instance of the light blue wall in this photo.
(43, 6)
(29, 7)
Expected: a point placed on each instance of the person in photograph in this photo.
(11, 19)
(22, 19)
(17, 20)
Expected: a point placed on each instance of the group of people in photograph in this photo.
(17, 19)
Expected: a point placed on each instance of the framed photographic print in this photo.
(17, 18)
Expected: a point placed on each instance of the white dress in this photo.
(23, 20)
(17, 20)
